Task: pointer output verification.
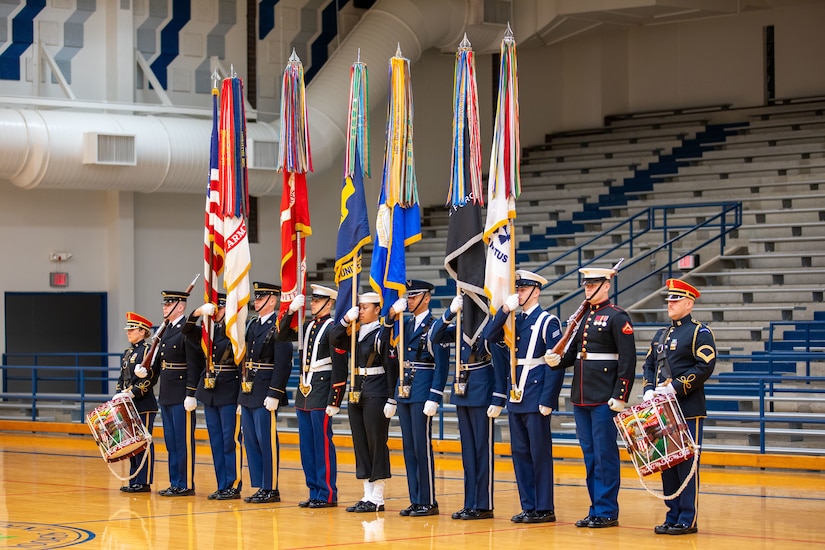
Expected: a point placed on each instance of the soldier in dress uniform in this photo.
(323, 380)
(479, 394)
(680, 359)
(136, 382)
(218, 391)
(535, 397)
(180, 362)
(420, 391)
(603, 357)
(263, 389)
(371, 402)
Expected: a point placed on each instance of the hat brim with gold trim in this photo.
(678, 289)
(265, 289)
(134, 320)
(170, 296)
(319, 292)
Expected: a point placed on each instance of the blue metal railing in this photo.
(653, 218)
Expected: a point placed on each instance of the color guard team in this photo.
(409, 379)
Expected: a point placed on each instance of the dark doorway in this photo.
(68, 328)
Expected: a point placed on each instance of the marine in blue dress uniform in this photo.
(180, 362)
(680, 359)
(323, 380)
(603, 357)
(138, 383)
(479, 394)
(420, 391)
(535, 397)
(376, 373)
(218, 391)
(263, 389)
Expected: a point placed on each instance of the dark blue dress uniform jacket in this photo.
(428, 382)
(262, 346)
(141, 388)
(180, 362)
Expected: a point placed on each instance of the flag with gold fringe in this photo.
(234, 209)
(464, 259)
(213, 246)
(354, 225)
(294, 160)
(504, 185)
(398, 222)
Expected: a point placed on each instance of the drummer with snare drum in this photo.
(680, 359)
(136, 382)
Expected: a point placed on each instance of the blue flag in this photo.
(353, 235)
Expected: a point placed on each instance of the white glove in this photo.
(616, 405)
(552, 359)
(127, 393)
(664, 390)
(511, 303)
(545, 411)
(457, 304)
(190, 404)
(389, 409)
(648, 395)
(297, 303)
(238, 411)
(141, 372)
(493, 411)
(430, 408)
(351, 315)
(400, 306)
(271, 404)
(332, 410)
(206, 310)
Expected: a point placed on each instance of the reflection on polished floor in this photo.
(57, 492)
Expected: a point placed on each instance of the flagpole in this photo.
(511, 317)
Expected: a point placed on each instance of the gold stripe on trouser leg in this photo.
(150, 463)
(696, 478)
(491, 460)
(273, 443)
(238, 452)
(190, 458)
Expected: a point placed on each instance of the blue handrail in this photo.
(726, 220)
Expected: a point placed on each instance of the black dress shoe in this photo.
(365, 506)
(457, 515)
(541, 516)
(477, 514)
(662, 529)
(681, 529)
(425, 510)
(406, 511)
(213, 496)
(179, 492)
(165, 492)
(265, 497)
(521, 516)
(600, 522)
(256, 494)
(136, 488)
(584, 522)
(354, 506)
(322, 504)
(229, 494)
(305, 503)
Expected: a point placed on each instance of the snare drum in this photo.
(117, 429)
(656, 434)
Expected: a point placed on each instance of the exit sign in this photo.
(688, 262)
(58, 279)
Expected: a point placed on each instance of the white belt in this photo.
(598, 356)
(370, 371)
(475, 366)
(530, 362)
(321, 365)
(418, 365)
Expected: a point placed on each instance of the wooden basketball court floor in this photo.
(57, 492)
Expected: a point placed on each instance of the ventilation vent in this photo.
(109, 149)
(498, 12)
(264, 155)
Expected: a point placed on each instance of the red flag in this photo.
(295, 227)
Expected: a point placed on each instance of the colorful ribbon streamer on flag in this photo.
(294, 160)
(398, 223)
(504, 186)
(464, 259)
(358, 137)
(234, 208)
